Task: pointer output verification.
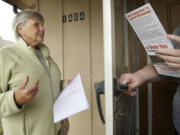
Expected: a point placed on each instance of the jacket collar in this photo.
(23, 45)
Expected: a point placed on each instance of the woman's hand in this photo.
(24, 95)
(65, 127)
(69, 81)
(171, 56)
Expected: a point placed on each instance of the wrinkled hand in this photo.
(69, 81)
(133, 80)
(171, 56)
(65, 127)
(24, 95)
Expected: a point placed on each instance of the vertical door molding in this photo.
(172, 24)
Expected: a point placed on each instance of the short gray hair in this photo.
(22, 17)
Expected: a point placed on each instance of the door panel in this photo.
(173, 20)
(76, 54)
(163, 91)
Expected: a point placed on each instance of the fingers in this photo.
(172, 65)
(131, 93)
(171, 59)
(173, 52)
(23, 85)
(174, 37)
(34, 88)
(31, 91)
(124, 79)
(170, 52)
(170, 56)
(132, 85)
(127, 79)
(69, 81)
(24, 95)
(133, 80)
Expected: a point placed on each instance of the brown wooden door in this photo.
(163, 91)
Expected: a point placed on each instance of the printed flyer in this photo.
(152, 35)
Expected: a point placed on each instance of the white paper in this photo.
(71, 101)
(152, 35)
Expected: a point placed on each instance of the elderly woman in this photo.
(149, 73)
(29, 81)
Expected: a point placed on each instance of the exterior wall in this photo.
(52, 12)
(77, 46)
(76, 42)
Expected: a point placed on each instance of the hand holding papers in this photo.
(151, 33)
(71, 101)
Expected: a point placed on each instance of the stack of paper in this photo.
(71, 101)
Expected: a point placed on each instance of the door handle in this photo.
(99, 87)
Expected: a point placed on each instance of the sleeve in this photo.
(7, 103)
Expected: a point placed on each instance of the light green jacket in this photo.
(36, 117)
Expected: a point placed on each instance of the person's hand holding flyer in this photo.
(152, 35)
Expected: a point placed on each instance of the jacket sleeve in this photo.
(7, 103)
